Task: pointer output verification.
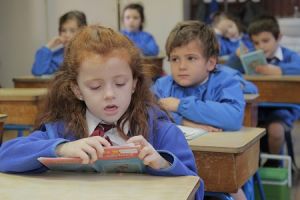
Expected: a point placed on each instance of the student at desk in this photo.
(101, 82)
(200, 93)
(277, 118)
(49, 57)
(133, 19)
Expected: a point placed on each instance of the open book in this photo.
(191, 133)
(115, 159)
(251, 60)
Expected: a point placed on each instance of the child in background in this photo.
(49, 57)
(265, 34)
(133, 20)
(101, 80)
(200, 93)
(232, 39)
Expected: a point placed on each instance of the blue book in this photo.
(116, 159)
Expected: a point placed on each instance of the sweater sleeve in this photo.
(20, 154)
(46, 61)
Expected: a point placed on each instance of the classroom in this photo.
(199, 98)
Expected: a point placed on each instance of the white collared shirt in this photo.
(278, 53)
(113, 134)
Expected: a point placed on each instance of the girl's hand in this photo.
(148, 154)
(202, 126)
(88, 149)
(268, 70)
(55, 42)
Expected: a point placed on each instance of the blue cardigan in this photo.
(219, 102)
(20, 154)
(228, 47)
(144, 41)
(47, 61)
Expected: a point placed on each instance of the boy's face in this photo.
(189, 67)
(132, 20)
(105, 84)
(266, 42)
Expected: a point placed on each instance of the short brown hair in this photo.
(265, 23)
(187, 31)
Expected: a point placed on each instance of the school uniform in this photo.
(47, 61)
(144, 41)
(218, 101)
(20, 154)
(289, 62)
(229, 46)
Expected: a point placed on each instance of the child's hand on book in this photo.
(268, 69)
(88, 149)
(148, 154)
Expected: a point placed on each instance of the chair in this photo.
(20, 128)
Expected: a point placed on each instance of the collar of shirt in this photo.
(278, 53)
(93, 121)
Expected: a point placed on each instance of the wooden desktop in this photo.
(95, 186)
(32, 81)
(277, 89)
(226, 160)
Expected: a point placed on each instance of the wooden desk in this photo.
(277, 89)
(2, 120)
(155, 68)
(21, 104)
(250, 116)
(32, 81)
(226, 160)
(94, 186)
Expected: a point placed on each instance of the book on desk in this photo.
(191, 133)
(116, 159)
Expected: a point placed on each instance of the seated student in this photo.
(200, 93)
(231, 38)
(133, 20)
(101, 81)
(265, 34)
(49, 57)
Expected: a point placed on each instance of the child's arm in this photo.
(268, 70)
(46, 61)
(20, 154)
(291, 64)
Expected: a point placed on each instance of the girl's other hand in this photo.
(55, 42)
(88, 149)
(268, 70)
(148, 154)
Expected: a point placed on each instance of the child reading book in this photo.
(133, 20)
(101, 86)
(199, 93)
(49, 57)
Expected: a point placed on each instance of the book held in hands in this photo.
(251, 60)
(116, 159)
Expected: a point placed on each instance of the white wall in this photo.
(26, 25)
(22, 31)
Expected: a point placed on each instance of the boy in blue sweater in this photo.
(200, 93)
(265, 34)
